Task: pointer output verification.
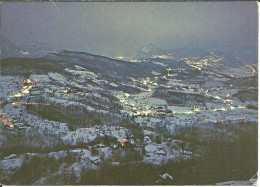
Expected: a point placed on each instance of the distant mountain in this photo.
(36, 49)
(231, 57)
(238, 56)
(152, 51)
(247, 54)
(116, 69)
(8, 49)
(189, 52)
(149, 51)
(112, 69)
(27, 50)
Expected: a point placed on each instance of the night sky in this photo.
(113, 29)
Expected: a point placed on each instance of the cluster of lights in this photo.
(7, 121)
(122, 142)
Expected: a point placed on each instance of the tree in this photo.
(94, 151)
(158, 139)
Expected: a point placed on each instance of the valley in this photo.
(86, 113)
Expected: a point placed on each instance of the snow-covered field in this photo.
(86, 135)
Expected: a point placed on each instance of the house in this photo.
(50, 93)
(29, 82)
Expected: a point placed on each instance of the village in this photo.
(144, 106)
(218, 100)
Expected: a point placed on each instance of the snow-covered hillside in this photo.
(82, 114)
